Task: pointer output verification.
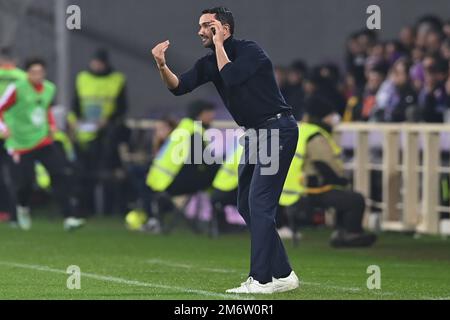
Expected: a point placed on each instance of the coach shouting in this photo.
(243, 75)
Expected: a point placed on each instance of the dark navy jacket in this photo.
(246, 85)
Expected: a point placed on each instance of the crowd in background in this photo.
(404, 79)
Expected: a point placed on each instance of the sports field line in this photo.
(380, 293)
(178, 265)
(127, 281)
(190, 266)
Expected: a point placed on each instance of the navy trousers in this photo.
(259, 192)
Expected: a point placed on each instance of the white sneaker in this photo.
(72, 223)
(23, 218)
(253, 286)
(289, 283)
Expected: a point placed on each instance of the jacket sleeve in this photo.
(193, 78)
(249, 58)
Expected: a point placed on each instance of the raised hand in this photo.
(158, 53)
(218, 32)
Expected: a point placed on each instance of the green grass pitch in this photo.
(119, 264)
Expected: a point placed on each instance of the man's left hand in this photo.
(218, 38)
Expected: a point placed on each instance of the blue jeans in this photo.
(259, 193)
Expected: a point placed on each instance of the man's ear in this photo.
(227, 27)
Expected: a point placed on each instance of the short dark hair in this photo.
(33, 61)
(299, 66)
(224, 15)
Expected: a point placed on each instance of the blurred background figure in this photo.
(360, 107)
(316, 178)
(9, 73)
(137, 156)
(396, 99)
(293, 90)
(99, 109)
(433, 98)
(29, 127)
(170, 175)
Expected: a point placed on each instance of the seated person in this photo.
(316, 175)
(174, 170)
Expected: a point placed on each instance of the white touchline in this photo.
(173, 264)
(196, 291)
(127, 282)
(189, 266)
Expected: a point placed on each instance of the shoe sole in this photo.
(248, 292)
(286, 287)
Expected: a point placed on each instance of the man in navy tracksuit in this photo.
(243, 75)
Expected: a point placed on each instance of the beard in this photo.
(208, 43)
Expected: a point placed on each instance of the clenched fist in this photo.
(158, 53)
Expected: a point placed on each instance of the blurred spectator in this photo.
(393, 51)
(9, 73)
(403, 102)
(163, 128)
(407, 37)
(433, 100)
(99, 108)
(355, 60)
(395, 99)
(376, 57)
(280, 77)
(360, 108)
(349, 88)
(323, 80)
(433, 41)
(446, 29)
(417, 71)
(417, 64)
(167, 176)
(293, 90)
(445, 49)
(424, 26)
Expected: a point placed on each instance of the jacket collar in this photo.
(227, 44)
